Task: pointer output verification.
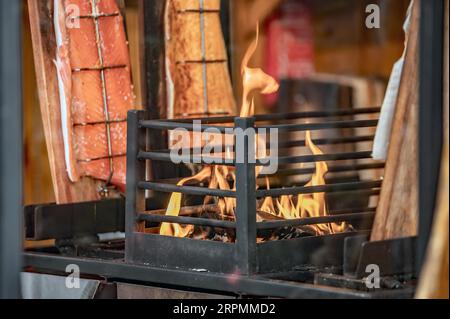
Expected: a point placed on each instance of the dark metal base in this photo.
(393, 257)
(253, 286)
(271, 257)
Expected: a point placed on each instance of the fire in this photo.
(221, 177)
(254, 79)
(174, 207)
(305, 205)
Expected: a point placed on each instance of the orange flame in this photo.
(174, 207)
(254, 79)
(307, 205)
(287, 207)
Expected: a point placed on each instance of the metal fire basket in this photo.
(246, 256)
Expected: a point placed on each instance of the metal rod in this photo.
(330, 188)
(100, 158)
(207, 160)
(11, 148)
(285, 144)
(136, 170)
(430, 116)
(202, 62)
(183, 220)
(327, 141)
(104, 93)
(322, 125)
(203, 50)
(102, 122)
(198, 159)
(98, 15)
(246, 202)
(201, 11)
(331, 169)
(321, 158)
(188, 190)
(208, 222)
(315, 220)
(171, 125)
(99, 68)
(286, 116)
(359, 193)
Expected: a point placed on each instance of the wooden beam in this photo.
(397, 214)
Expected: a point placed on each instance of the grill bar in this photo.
(207, 222)
(281, 145)
(330, 188)
(183, 220)
(285, 116)
(322, 125)
(315, 220)
(322, 158)
(187, 190)
(169, 125)
(277, 192)
(331, 169)
(167, 157)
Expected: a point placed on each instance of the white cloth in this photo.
(39, 286)
(384, 129)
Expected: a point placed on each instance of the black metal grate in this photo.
(245, 255)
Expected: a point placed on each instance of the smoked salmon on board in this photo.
(197, 76)
(95, 88)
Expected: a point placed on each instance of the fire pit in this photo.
(270, 227)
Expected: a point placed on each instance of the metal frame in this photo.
(10, 147)
(244, 256)
(430, 116)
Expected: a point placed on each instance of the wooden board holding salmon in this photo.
(197, 76)
(84, 81)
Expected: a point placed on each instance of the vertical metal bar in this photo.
(136, 170)
(95, 14)
(246, 201)
(204, 65)
(10, 148)
(430, 115)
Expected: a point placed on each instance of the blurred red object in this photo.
(290, 46)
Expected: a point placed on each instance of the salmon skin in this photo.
(95, 88)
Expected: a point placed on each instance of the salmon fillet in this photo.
(95, 88)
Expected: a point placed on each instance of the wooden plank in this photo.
(37, 181)
(43, 38)
(194, 88)
(397, 214)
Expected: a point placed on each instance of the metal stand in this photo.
(10, 148)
